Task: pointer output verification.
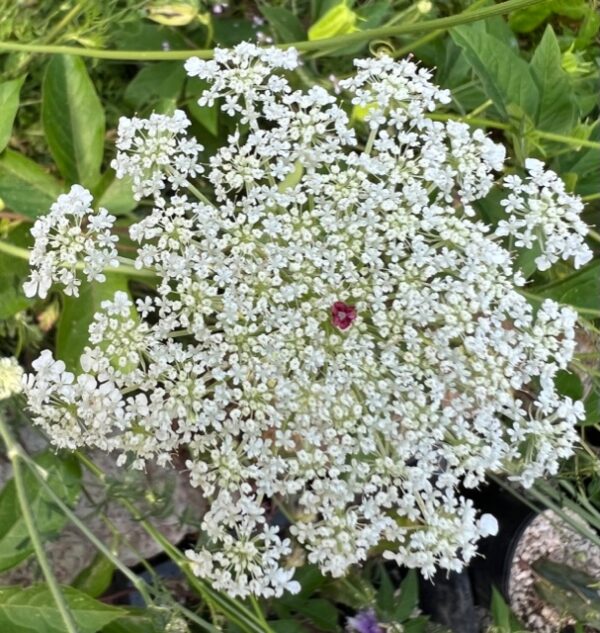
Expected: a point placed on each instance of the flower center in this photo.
(342, 315)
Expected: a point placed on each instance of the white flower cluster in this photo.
(334, 331)
(71, 234)
(11, 377)
(155, 151)
(540, 210)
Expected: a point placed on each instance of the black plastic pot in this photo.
(121, 590)
(448, 599)
(491, 568)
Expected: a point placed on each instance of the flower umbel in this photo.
(11, 376)
(71, 233)
(436, 370)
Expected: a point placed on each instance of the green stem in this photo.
(549, 504)
(259, 613)
(567, 140)
(123, 269)
(59, 26)
(305, 46)
(425, 39)
(230, 608)
(594, 235)
(498, 125)
(591, 312)
(137, 582)
(480, 109)
(478, 121)
(15, 454)
(591, 196)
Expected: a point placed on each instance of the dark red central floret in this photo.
(342, 315)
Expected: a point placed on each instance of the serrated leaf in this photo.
(64, 479)
(73, 120)
(558, 110)
(505, 76)
(24, 186)
(408, 599)
(9, 104)
(33, 610)
(385, 593)
(78, 313)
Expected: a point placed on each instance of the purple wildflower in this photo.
(364, 622)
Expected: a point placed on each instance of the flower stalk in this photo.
(331, 44)
(15, 454)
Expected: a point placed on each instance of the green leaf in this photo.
(9, 104)
(569, 590)
(63, 476)
(505, 76)
(286, 26)
(581, 289)
(287, 626)
(33, 610)
(158, 81)
(569, 384)
(321, 613)
(408, 599)
(385, 594)
(118, 198)
(207, 116)
(78, 313)
(95, 579)
(558, 110)
(592, 407)
(13, 272)
(419, 625)
(525, 259)
(143, 36)
(231, 31)
(137, 620)
(73, 120)
(26, 188)
(527, 19)
(503, 617)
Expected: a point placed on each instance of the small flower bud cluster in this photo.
(154, 152)
(71, 233)
(541, 212)
(334, 331)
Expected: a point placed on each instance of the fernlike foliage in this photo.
(334, 331)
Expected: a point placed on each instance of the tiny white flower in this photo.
(488, 525)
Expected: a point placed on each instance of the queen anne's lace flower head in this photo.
(334, 330)
(71, 233)
(541, 211)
